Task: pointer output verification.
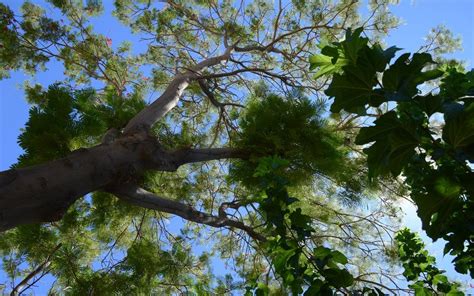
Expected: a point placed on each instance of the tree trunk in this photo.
(43, 193)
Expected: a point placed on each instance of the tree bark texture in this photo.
(44, 192)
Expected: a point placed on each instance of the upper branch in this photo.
(145, 199)
(170, 97)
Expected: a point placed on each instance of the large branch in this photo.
(44, 192)
(145, 199)
(170, 97)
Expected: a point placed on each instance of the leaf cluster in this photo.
(436, 161)
(291, 129)
(420, 267)
(62, 120)
(314, 272)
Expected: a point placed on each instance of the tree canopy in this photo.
(282, 141)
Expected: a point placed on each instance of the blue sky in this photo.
(419, 16)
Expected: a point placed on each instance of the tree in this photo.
(101, 166)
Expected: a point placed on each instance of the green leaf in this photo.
(383, 125)
(420, 290)
(353, 44)
(440, 278)
(338, 278)
(338, 257)
(262, 289)
(313, 288)
(429, 103)
(455, 293)
(377, 159)
(281, 257)
(325, 65)
(394, 147)
(379, 58)
(428, 75)
(400, 81)
(354, 88)
(351, 90)
(387, 54)
(447, 187)
(402, 149)
(321, 252)
(459, 130)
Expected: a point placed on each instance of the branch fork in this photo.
(170, 97)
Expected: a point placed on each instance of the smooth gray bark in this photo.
(170, 97)
(44, 192)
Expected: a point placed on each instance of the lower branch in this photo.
(145, 199)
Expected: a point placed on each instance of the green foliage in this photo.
(146, 259)
(353, 89)
(440, 40)
(436, 165)
(292, 129)
(62, 120)
(50, 128)
(394, 144)
(314, 272)
(36, 26)
(303, 267)
(137, 272)
(420, 267)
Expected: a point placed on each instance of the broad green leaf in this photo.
(325, 65)
(321, 252)
(262, 290)
(440, 278)
(400, 81)
(376, 159)
(383, 125)
(420, 290)
(338, 277)
(459, 130)
(338, 257)
(394, 146)
(281, 256)
(351, 91)
(402, 148)
(314, 288)
(446, 187)
(429, 103)
(353, 44)
(455, 293)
